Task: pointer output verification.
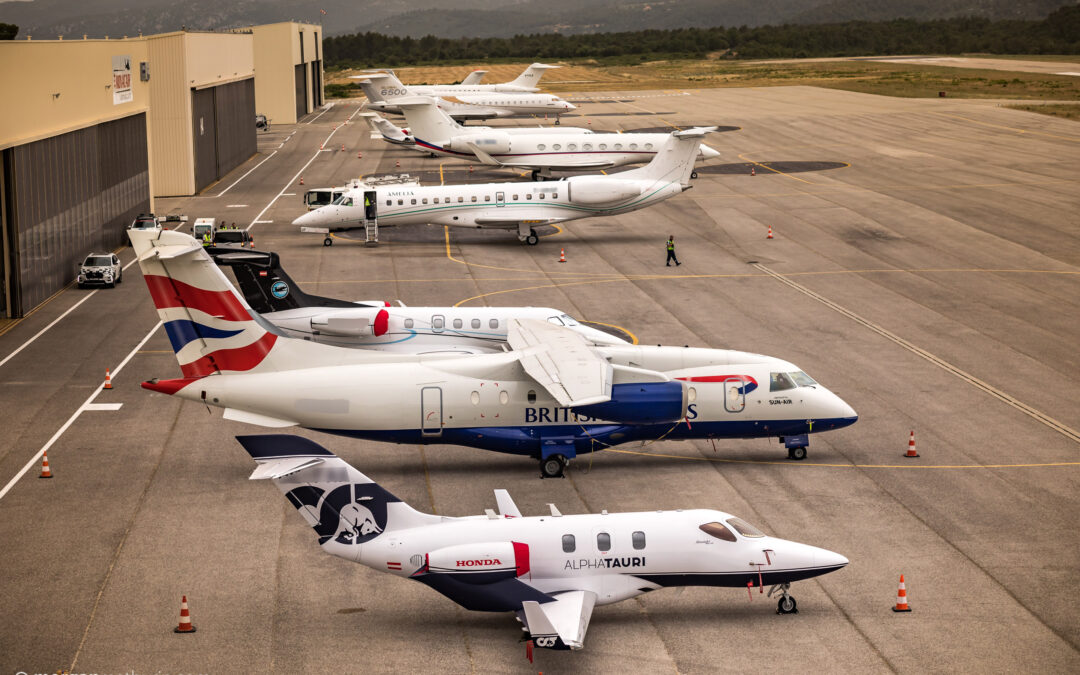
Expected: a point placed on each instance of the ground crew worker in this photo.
(671, 252)
(206, 239)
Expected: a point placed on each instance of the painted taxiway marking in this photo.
(246, 174)
(326, 109)
(993, 391)
(835, 465)
(80, 410)
(102, 406)
(1013, 129)
(236, 206)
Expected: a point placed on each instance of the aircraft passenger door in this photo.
(431, 411)
(500, 199)
(734, 395)
(370, 205)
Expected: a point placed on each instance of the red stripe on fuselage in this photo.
(717, 378)
(241, 358)
(168, 293)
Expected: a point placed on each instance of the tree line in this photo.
(1059, 33)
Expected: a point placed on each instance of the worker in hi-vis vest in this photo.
(671, 251)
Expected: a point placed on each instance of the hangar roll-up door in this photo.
(316, 83)
(301, 90)
(64, 197)
(223, 125)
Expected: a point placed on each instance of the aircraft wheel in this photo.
(787, 605)
(558, 121)
(693, 174)
(798, 453)
(535, 175)
(328, 242)
(552, 467)
(532, 239)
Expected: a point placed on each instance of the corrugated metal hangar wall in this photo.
(66, 196)
(222, 129)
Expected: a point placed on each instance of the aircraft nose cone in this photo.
(824, 558)
(570, 106)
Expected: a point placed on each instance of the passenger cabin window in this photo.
(587, 146)
(515, 198)
(638, 538)
(541, 147)
(424, 200)
(460, 199)
(475, 323)
(556, 146)
(554, 195)
(400, 202)
(569, 544)
(412, 201)
(457, 323)
(408, 323)
(648, 146)
(618, 146)
(780, 382)
(541, 195)
(633, 146)
(389, 202)
(435, 200)
(437, 322)
(603, 146)
(494, 323)
(572, 146)
(603, 541)
(473, 198)
(744, 528)
(717, 530)
(487, 198)
(528, 196)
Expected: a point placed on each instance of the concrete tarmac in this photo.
(929, 273)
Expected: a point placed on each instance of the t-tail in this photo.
(428, 123)
(387, 130)
(343, 506)
(267, 287)
(674, 161)
(530, 78)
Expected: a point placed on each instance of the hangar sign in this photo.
(121, 80)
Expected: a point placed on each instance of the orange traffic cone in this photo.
(185, 618)
(562, 255)
(398, 163)
(322, 146)
(470, 168)
(769, 236)
(301, 180)
(752, 171)
(45, 472)
(359, 155)
(911, 446)
(901, 598)
(343, 147)
(108, 380)
(252, 243)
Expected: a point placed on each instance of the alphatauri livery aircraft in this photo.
(383, 90)
(550, 570)
(366, 324)
(519, 206)
(436, 132)
(551, 396)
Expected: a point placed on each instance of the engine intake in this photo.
(588, 190)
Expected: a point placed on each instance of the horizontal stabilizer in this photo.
(170, 251)
(277, 446)
(277, 468)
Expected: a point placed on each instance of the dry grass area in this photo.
(889, 79)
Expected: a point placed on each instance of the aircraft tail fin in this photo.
(386, 85)
(530, 78)
(674, 161)
(475, 77)
(342, 505)
(265, 285)
(426, 121)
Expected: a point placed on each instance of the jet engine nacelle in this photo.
(589, 190)
(641, 403)
(480, 563)
(354, 324)
(491, 143)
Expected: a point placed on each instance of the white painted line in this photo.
(263, 222)
(102, 406)
(75, 415)
(328, 107)
(289, 194)
(296, 177)
(246, 174)
(236, 206)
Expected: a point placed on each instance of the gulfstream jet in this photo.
(436, 132)
(524, 84)
(383, 90)
(550, 570)
(551, 395)
(516, 206)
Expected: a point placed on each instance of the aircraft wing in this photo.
(560, 624)
(513, 222)
(561, 361)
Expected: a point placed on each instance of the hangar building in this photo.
(92, 130)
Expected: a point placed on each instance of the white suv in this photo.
(100, 269)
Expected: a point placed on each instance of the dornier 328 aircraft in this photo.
(368, 324)
(552, 396)
(518, 206)
(550, 570)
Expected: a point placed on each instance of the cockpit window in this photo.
(718, 530)
(338, 200)
(802, 379)
(568, 320)
(780, 382)
(744, 528)
(555, 320)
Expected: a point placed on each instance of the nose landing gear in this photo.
(797, 453)
(328, 241)
(786, 604)
(553, 466)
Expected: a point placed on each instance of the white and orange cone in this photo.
(752, 171)
(911, 446)
(901, 598)
(562, 255)
(343, 147)
(360, 155)
(185, 618)
(398, 164)
(769, 236)
(45, 472)
(108, 380)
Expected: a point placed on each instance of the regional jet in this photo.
(550, 570)
(436, 132)
(516, 206)
(551, 396)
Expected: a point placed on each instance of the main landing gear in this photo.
(693, 174)
(553, 466)
(328, 241)
(532, 239)
(786, 604)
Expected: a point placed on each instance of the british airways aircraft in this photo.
(517, 206)
(432, 130)
(551, 396)
(551, 571)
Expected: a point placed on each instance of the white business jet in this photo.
(550, 570)
(525, 83)
(436, 132)
(517, 206)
